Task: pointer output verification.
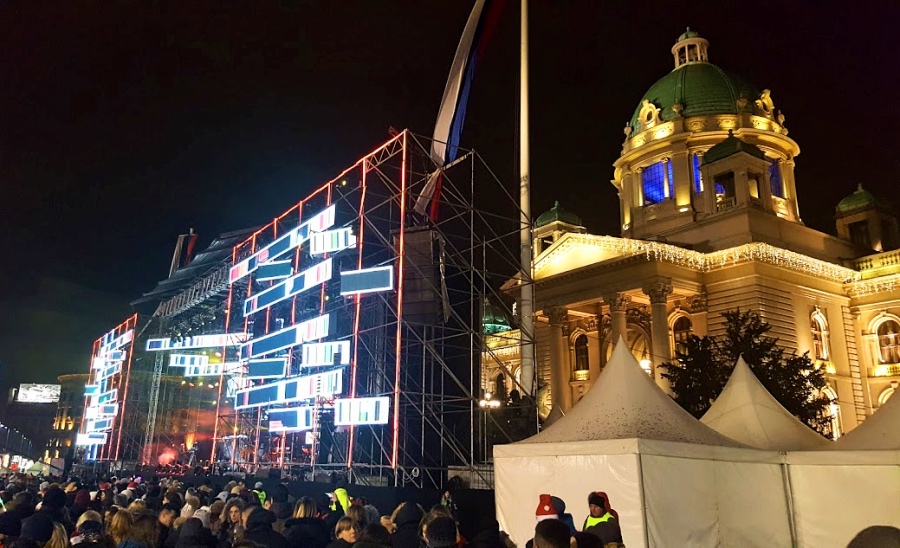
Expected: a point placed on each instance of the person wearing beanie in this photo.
(258, 528)
(54, 506)
(602, 520)
(441, 533)
(38, 527)
(560, 506)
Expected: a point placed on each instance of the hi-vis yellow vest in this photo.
(590, 521)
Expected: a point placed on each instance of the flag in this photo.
(452, 113)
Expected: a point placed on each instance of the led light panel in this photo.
(99, 425)
(360, 411)
(91, 438)
(91, 390)
(294, 285)
(267, 368)
(108, 372)
(367, 280)
(291, 390)
(107, 397)
(212, 369)
(200, 341)
(331, 241)
(300, 333)
(282, 245)
(327, 353)
(110, 342)
(274, 270)
(188, 360)
(294, 419)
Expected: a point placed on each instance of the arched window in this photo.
(819, 326)
(889, 341)
(582, 361)
(658, 182)
(681, 330)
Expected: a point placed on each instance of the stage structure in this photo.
(352, 338)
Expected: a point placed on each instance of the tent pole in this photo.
(643, 497)
(789, 499)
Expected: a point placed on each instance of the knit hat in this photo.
(104, 486)
(39, 527)
(441, 533)
(10, 524)
(545, 509)
(132, 485)
(596, 500)
(601, 499)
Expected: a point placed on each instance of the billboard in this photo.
(38, 393)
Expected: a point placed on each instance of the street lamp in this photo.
(488, 403)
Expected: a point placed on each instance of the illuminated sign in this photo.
(267, 368)
(326, 353)
(101, 411)
(199, 341)
(91, 389)
(274, 270)
(291, 390)
(38, 393)
(113, 369)
(282, 245)
(99, 425)
(212, 369)
(360, 411)
(107, 397)
(293, 419)
(188, 360)
(294, 285)
(367, 280)
(110, 342)
(91, 438)
(331, 241)
(300, 333)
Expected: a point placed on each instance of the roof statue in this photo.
(745, 411)
(625, 403)
(881, 431)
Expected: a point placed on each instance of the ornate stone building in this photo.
(710, 221)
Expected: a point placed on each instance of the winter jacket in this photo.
(194, 535)
(307, 532)
(406, 534)
(340, 543)
(259, 529)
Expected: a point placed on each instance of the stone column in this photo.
(659, 292)
(618, 304)
(560, 369)
(699, 310)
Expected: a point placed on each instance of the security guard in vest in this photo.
(601, 522)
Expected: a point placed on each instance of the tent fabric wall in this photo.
(836, 494)
(881, 431)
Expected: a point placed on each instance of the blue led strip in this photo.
(367, 280)
(282, 245)
(294, 419)
(300, 333)
(275, 270)
(309, 278)
(291, 390)
(267, 368)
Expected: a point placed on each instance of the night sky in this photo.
(125, 124)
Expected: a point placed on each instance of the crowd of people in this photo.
(169, 513)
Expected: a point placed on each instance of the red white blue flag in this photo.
(451, 116)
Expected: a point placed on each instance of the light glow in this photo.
(91, 438)
(188, 360)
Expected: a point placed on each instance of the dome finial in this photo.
(556, 204)
(690, 48)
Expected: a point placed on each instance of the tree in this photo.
(700, 371)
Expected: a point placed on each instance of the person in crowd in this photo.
(441, 532)
(257, 522)
(449, 502)
(551, 533)
(215, 515)
(340, 497)
(406, 519)
(191, 504)
(10, 528)
(373, 535)
(487, 535)
(88, 528)
(586, 540)
(194, 535)
(880, 536)
(602, 519)
(80, 503)
(306, 528)
(54, 505)
(358, 514)
(59, 538)
(345, 533)
(232, 518)
(166, 519)
(38, 527)
(120, 527)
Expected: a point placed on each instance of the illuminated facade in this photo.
(69, 411)
(710, 221)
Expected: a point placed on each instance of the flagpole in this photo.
(526, 315)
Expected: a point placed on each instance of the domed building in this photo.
(710, 222)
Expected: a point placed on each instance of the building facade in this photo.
(69, 411)
(710, 221)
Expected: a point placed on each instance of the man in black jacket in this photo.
(258, 528)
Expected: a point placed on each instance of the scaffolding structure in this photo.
(418, 342)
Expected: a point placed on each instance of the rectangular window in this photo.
(698, 177)
(653, 181)
(775, 179)
(671, 181)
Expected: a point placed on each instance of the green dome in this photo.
(689, 34)
(493, 319)
(731, 145)
(701, 89)
(557, 213)
(861, 200)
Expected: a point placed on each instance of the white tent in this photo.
(673, 481)
(881, 431)
(745, 411)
